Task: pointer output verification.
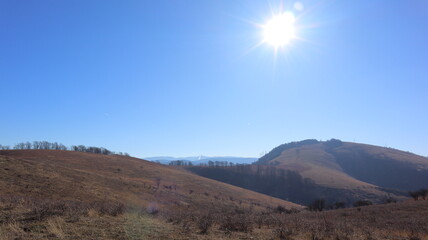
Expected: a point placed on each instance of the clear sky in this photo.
(182, 77)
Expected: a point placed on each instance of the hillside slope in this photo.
(346, 165)
(90, 177)
(385, 167)
(50, 195)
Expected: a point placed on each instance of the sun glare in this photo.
(279, 31)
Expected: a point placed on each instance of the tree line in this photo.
(45, 145)
(218, 164)
(208, 164)
(422, 193)
(281, 183)
(180, 163)
(277, 182)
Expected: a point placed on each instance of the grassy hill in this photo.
(352, 166)
(385, 167)
(42, 187)
(48, 194)
(89, 177)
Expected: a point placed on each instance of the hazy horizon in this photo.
(189, 78)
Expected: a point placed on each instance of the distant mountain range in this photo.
(202, 159)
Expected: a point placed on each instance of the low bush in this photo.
(237, 223)
(204, 223)
(361, 203)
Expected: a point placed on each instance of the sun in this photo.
(280, 30)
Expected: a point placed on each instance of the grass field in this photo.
(22, 218)
(363, 170)
(70, 195)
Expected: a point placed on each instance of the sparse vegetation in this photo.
(45, 145)
(278, 150)
(2, 147)
(389, 199)
(414, 194)
(171, 205)
(204, 223)
(361, 203)
(180, 163)
(338, 205)
(422, 193)
(277, 182)
(317, 205)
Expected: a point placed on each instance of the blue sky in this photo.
(184, 78)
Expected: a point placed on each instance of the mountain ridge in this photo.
(203, 159)
(352, 163)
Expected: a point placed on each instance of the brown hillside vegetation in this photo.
(49, 194)
(72, 195)
(63, 187)
(28, 220)
(363, 170)
(90, 177)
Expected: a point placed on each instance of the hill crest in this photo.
(340, 164)
(56, 174)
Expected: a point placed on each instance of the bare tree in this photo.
(4, 147)
(62, 147)
(27, 145)
(423, 193)
(45, 145)
(36, 145)
(415, 195)
(81, 148)
(19, 146)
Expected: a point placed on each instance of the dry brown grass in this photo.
(55, 227)
(56, 196)
(64, 175)
(315, 162)
(398, 221)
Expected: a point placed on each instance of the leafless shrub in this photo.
(108, 208)
(281, 209)
(46, 209)
(152, 209)
(283, 233)
(315, 235)
(369, 236)
(414, 236)
(204, 223)
(341, 236)
(55, 227)
(317, 205)
(11, 231)
(415, 195)
(237, 223)
(361, 203)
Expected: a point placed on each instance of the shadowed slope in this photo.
(385, 167)
(352, 166)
